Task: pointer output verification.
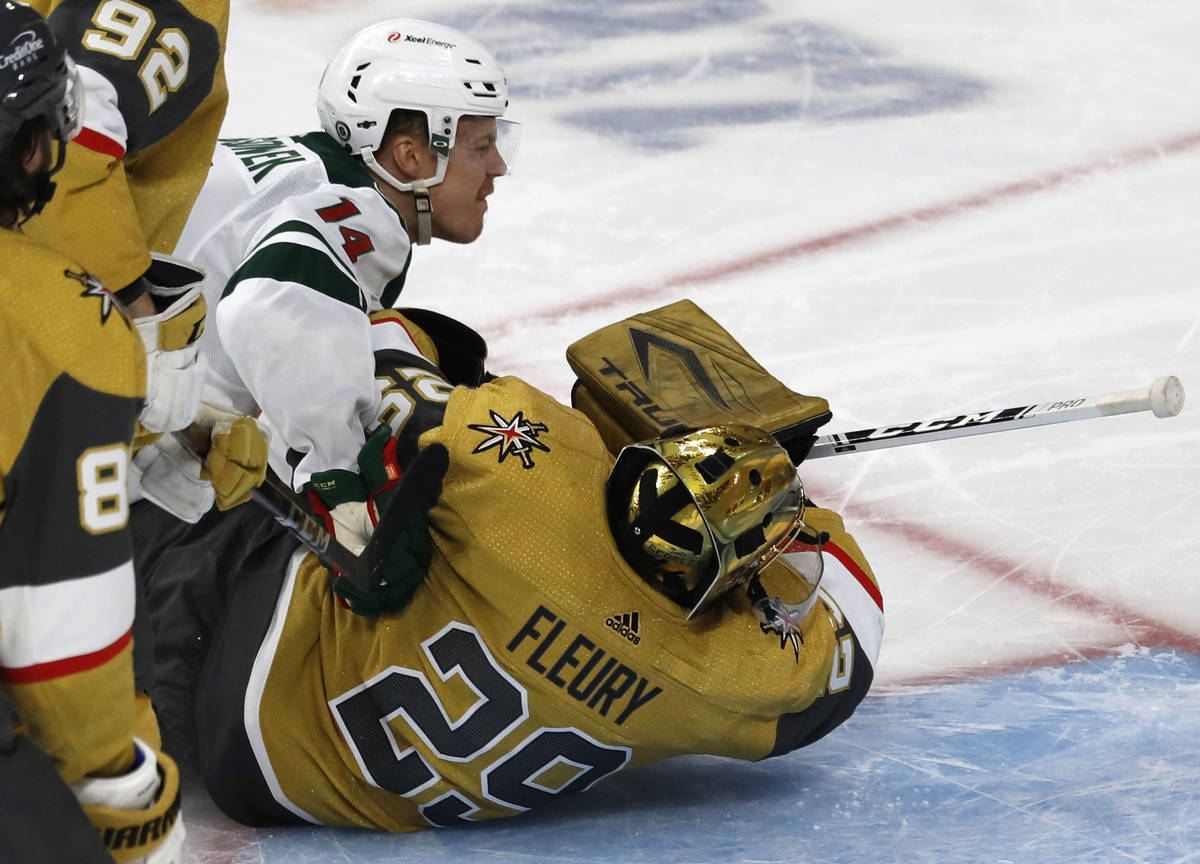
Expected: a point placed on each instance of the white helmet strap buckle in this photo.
(424, 215)
(419, 188)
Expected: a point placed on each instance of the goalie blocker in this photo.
(676, 367)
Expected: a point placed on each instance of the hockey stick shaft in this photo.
(1164, 397)
(291, 510)
(417, 491)
(293, 513)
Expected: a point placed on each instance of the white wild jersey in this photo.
(299, 246)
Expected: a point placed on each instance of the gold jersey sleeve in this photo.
(533, 662)
(131, 176)
(73, 378)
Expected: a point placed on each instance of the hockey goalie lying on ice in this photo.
(555, 616)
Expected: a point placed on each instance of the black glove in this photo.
(404, 566)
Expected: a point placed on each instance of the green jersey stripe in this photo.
(299, 227)
(289, 262)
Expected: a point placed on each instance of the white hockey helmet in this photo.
(418, 65)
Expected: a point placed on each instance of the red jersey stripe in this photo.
(100, 143)
(857, 572)
(66, 666)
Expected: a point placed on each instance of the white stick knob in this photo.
(1166, 396)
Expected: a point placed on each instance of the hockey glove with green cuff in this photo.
(404, 568)
(352, 505)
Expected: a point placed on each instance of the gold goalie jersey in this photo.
(154, 97)
(533, 662)
(72, 377)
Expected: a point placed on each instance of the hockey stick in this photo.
(418, 489)
(1164, 397)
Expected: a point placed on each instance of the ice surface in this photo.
(914, 210)
(1085, 763)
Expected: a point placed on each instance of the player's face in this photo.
(460, 200)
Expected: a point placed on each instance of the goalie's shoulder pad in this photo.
(394, 333)
(457, 351)
(461, 352)
(413, 387)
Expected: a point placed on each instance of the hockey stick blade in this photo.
(418, 490)
(1164, 398)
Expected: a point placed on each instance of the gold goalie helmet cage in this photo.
(700, 513)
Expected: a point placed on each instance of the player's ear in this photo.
(410, 157)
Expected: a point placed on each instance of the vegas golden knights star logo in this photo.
(92, 287)
(517, 437)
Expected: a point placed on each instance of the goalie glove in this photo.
(175, 369)
(676, 366)
(137, 813)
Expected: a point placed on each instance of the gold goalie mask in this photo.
(702, 512)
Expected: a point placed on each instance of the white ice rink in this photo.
(914, 210)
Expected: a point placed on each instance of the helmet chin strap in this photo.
(424, 214)
(418, 188)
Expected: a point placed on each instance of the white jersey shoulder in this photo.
(257, 184)
(296, 242)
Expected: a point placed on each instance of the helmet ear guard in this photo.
(700, 513)
(38, 82)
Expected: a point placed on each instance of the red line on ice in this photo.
(865, 231)
(1143, 631)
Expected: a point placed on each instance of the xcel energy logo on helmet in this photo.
(23, 50)
(395, 36)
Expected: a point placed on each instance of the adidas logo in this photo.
(627, 624)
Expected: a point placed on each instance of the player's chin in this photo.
(465, 232)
